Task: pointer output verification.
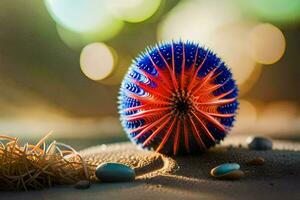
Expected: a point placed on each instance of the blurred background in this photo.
(62, 61)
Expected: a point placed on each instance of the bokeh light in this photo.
(196, 20)
(119, 70)
(72, 39)
(97, 61)
(134, 10)
(267, 43)
(78, 40)
(229, 41)
(277, 11)
(90, 19)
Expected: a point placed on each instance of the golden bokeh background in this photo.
(61, 62)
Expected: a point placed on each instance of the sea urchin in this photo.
(178, 97)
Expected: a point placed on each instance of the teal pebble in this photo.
(224, 169)
(114, 172)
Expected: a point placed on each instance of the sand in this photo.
(187, 177)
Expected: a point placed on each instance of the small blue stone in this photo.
(224, 169)
(114, 172)
(259, 143)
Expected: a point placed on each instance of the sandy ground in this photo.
(187, 177)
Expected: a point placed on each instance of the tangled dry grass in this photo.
(38, 166)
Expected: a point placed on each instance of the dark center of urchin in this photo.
(182, 104)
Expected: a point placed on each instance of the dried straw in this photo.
(38, 166)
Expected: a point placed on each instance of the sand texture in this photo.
(187, 177)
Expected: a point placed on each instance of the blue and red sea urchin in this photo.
(178, 97)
